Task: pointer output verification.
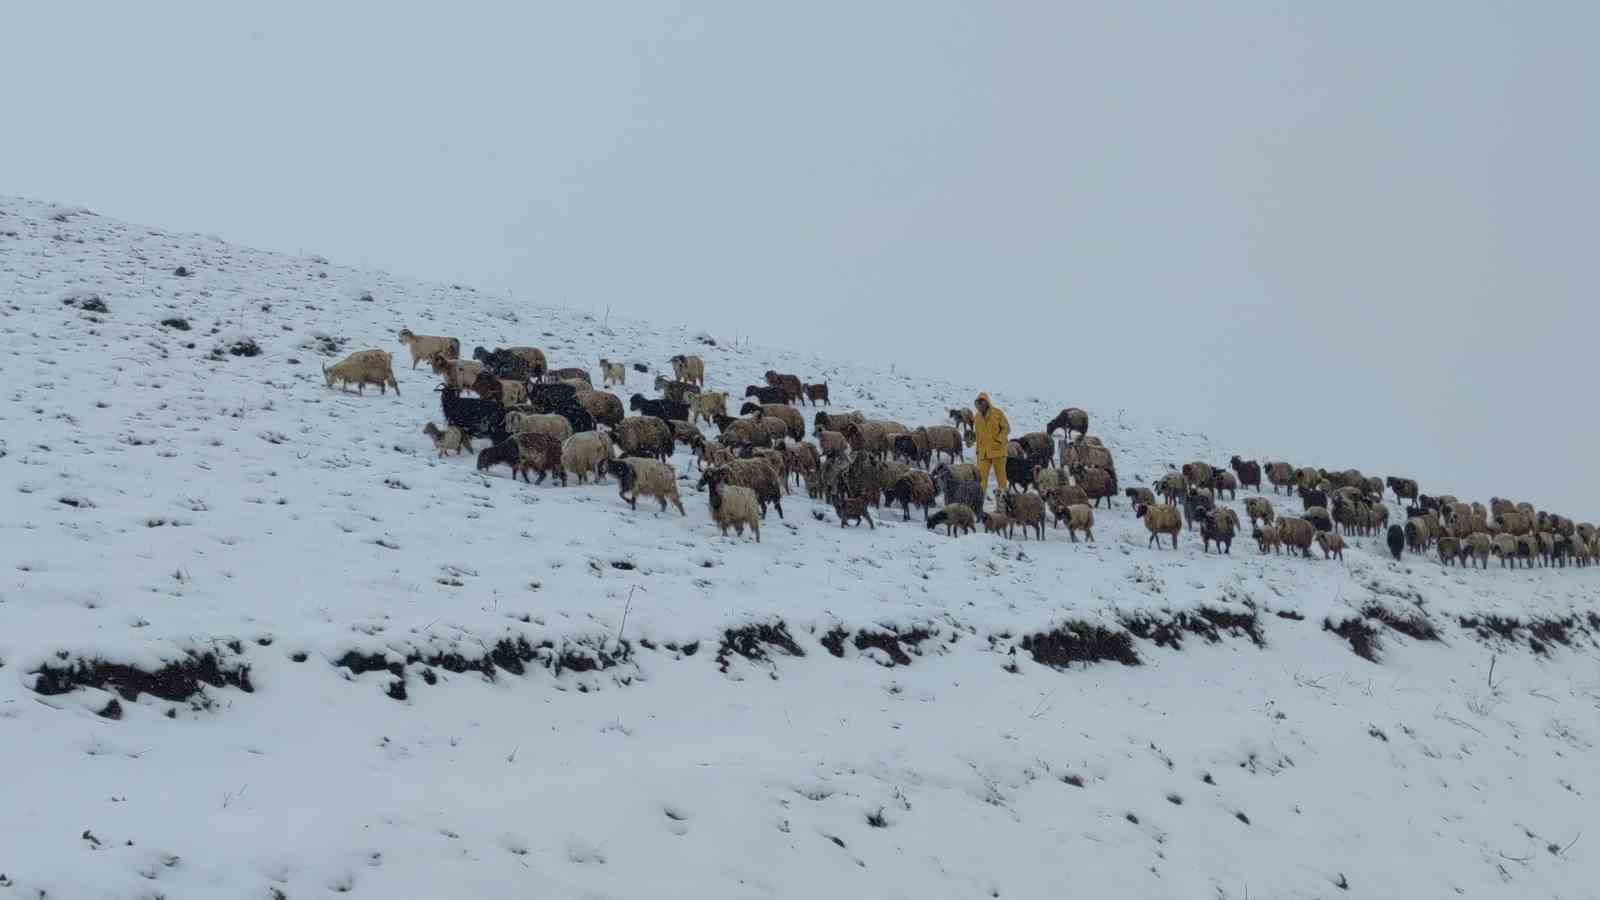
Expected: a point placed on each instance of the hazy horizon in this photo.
(1349, 236)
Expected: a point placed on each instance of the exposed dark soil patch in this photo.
(1551, 631)
(1080, 642)
(1206, 622)
(1416, 626)
(244, 347)
(176, 682)
(893, 643)
(751, 642)
(513, 655)
(177, 324)
(88, 303)
(1540, 633)
(1290, 614)
(1363, 638)
(833, 641)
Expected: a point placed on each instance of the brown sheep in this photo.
(1200, 475)
(1280, 475)
(852, 509)
(1027, 511)
(1296, 534)
(1225, 481)
(957, 518)
(1080, 517)
(1069, 420)
(1098, 484)
(691, 369)
(1332, 545)
(1268, 538)
(1258, 509)
(944, 440)
(793, 387)
(1160, 519)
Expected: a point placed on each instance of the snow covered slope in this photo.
(257, 640)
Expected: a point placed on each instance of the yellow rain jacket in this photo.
(994, 432)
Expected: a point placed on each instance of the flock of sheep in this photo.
(554, 423)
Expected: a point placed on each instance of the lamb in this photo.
(557, 427)
(1268, 538)
(1099, 484)
(513, 363)
(791, 385)
(1332, 545)
(689, 368)
(755, 474)
(584, 452)
(1296, 534)
(362, 368)
(1062, 499)
(1258, 508)
(1396, 540)
(1219, 526)
(944, 440)
(817, 393)
(1280, 474)
(451, 438)
(732, 506)
(1160, 519)
(475, 416)
(1417, 535)
(1080, 517)
(676, 391)
(1025, 510)
(602, 406)
(613, 372)
(1138, 495)
(708, 406)
(661, 409)
(1069, 420)
(957, 518)
(765, 394)
(996, 523)
(636, 475)
(460, 373)
(426, 346)
(645, 436)
(852, 509)
(1248, 471)
(1225, 481)
(912, 489)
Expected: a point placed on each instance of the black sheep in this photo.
(1196, 506)
(475, 416)
(661, 409)
(574, 414)
(545, 398)
(1019, 473)
(1397, 540)
(905, 446)
(1248, 472)
(767, 394)
(1310, 497)
(505, 364)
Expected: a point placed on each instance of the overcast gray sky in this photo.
(1352, 234)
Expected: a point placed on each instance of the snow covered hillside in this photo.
(258, 640)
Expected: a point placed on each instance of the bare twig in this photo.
(1570, 845)
(625, 607)
(1042, 708)
(1492, 660)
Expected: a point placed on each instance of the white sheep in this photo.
(424, 346)
(1080, 517)
(362, 368)
(583, 453)
(447, 440)
(613, 372)
(637, 475)
(733, 506)
(555, 426)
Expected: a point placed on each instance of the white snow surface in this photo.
(165, 503)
